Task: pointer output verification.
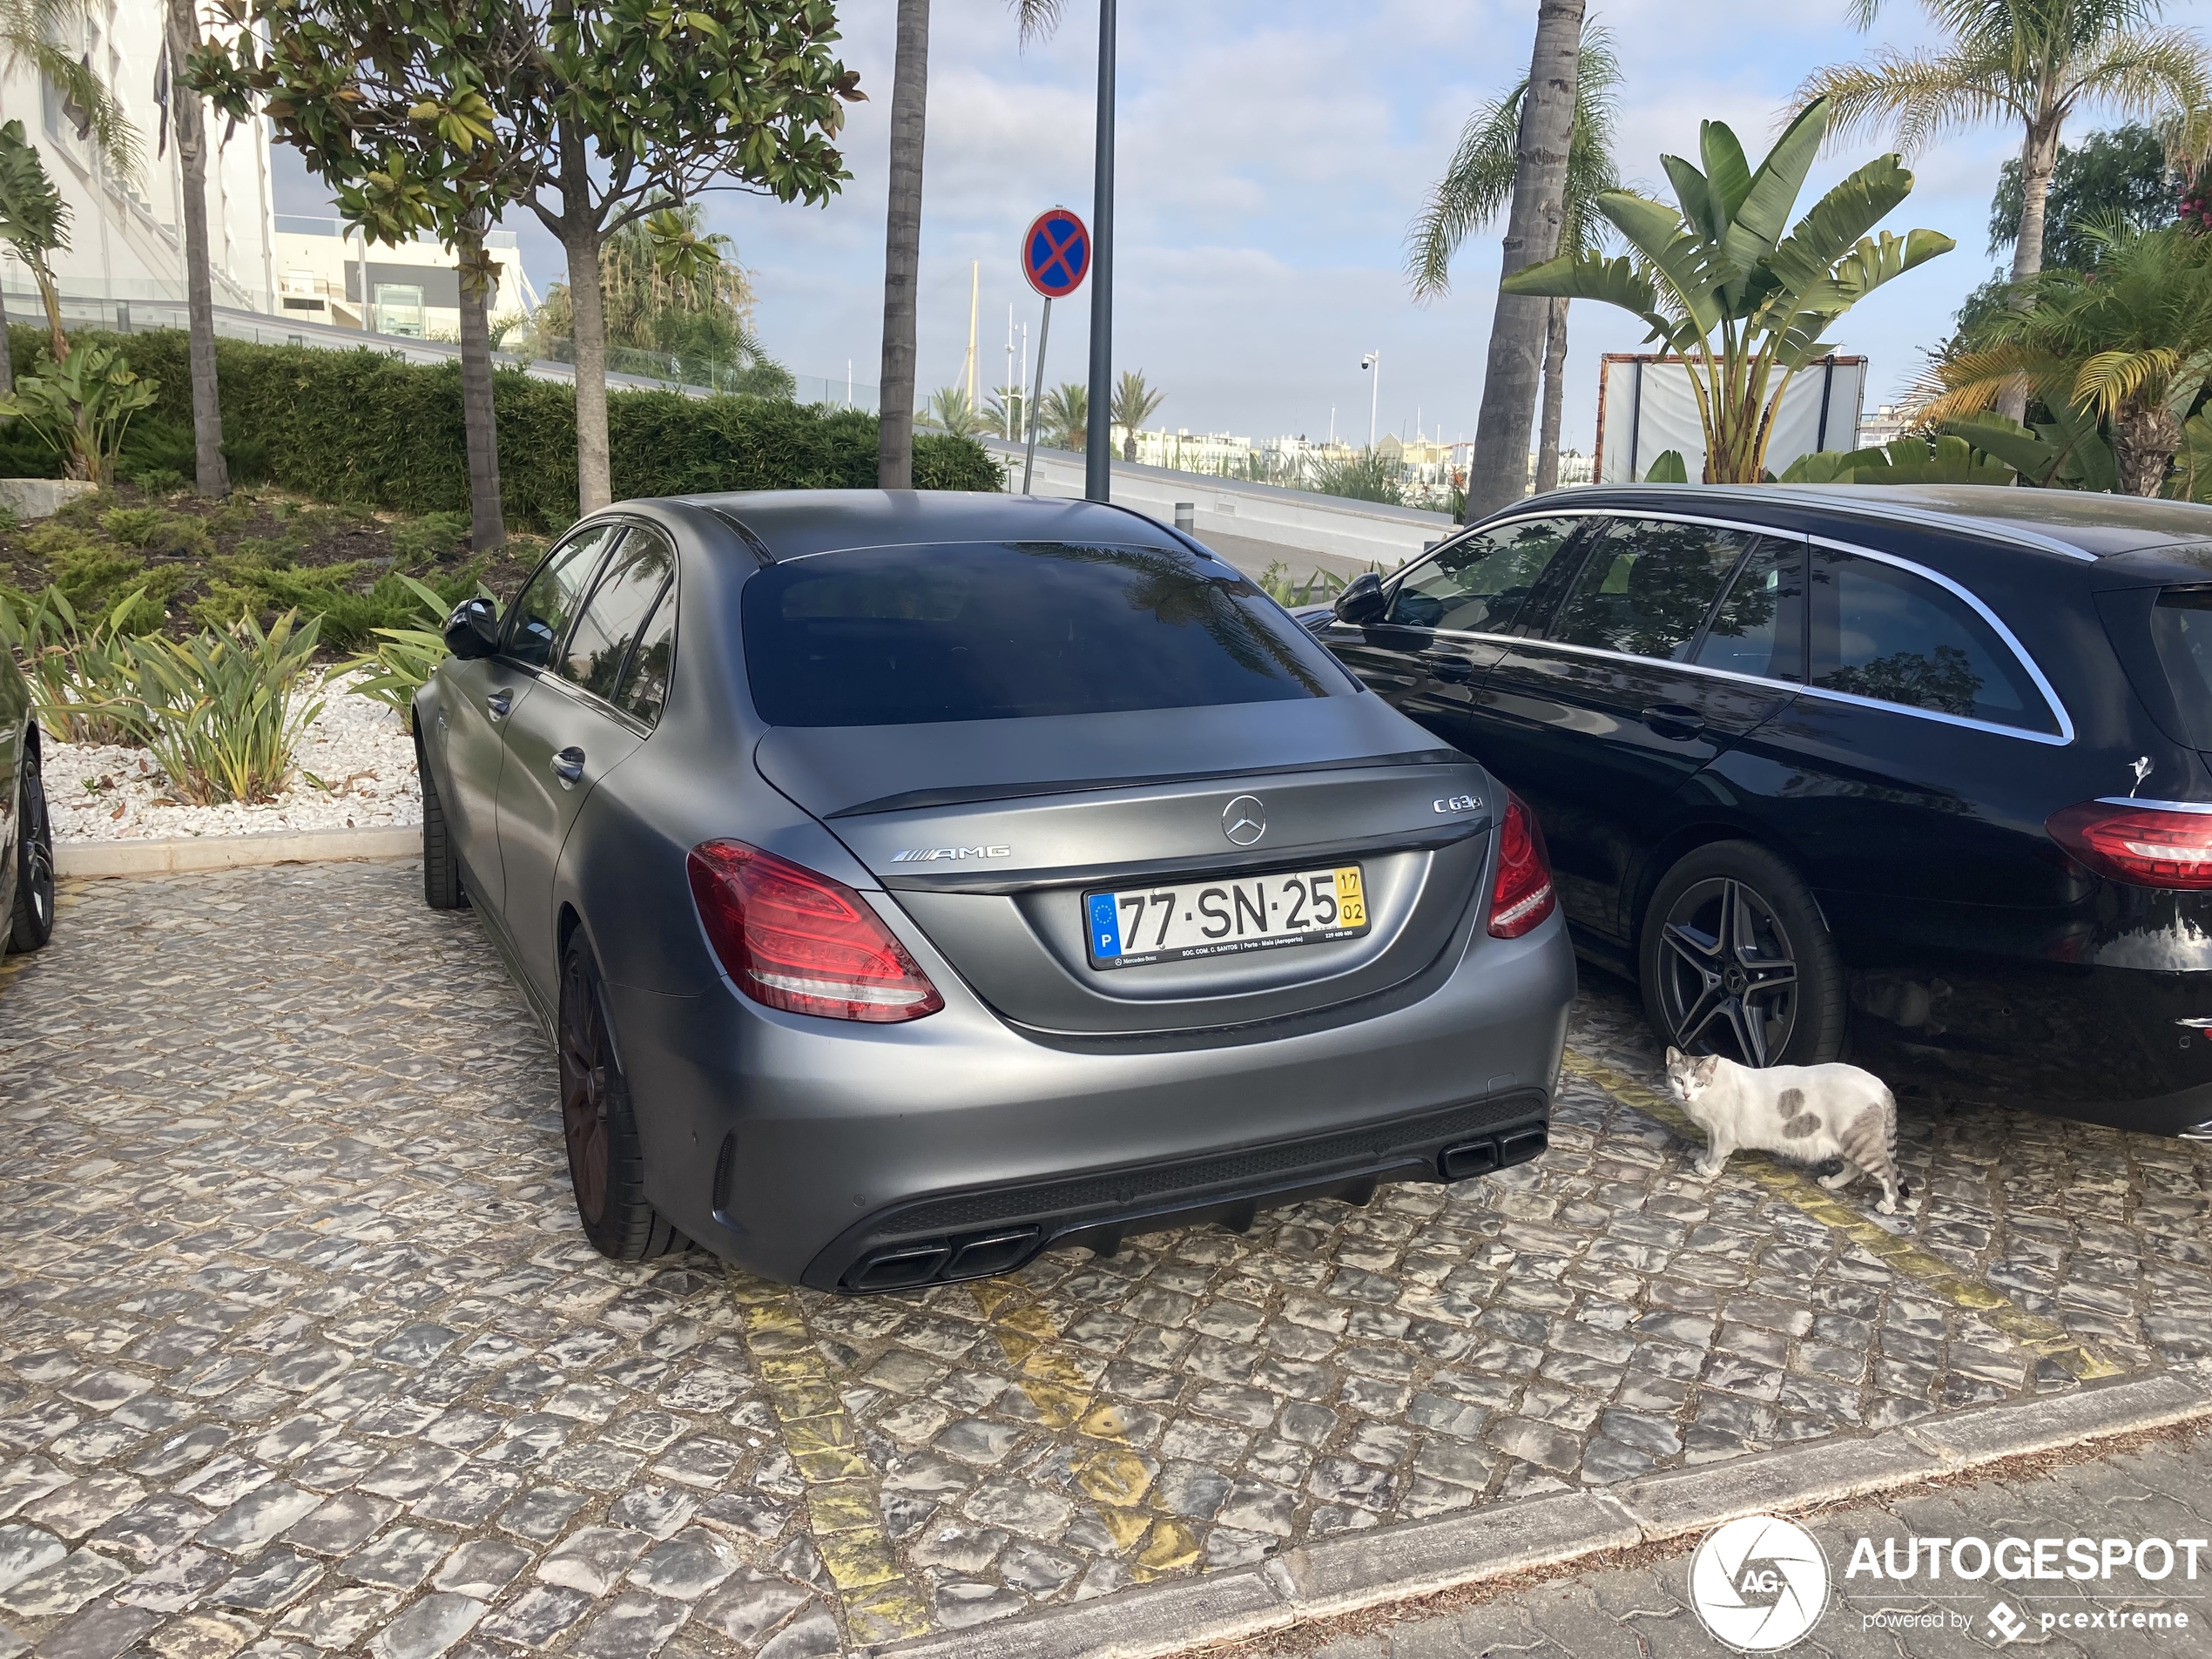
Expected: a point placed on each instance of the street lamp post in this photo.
(1098, 442)
(1373, 360)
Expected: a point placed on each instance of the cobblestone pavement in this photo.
(1645, 1613)
(303, 1350)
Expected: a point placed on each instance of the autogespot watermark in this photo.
(1761, 1584)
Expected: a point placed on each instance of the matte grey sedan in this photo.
(916, 882)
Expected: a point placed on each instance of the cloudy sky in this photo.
(1271, 154)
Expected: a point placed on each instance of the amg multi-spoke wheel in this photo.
(33, 923)
(1736, 961)
(606, 1160)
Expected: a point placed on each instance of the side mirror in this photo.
(1363, 599)
(473, 630)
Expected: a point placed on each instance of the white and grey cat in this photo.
(1807, 1113)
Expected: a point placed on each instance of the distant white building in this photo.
(413, 290)
(1218, 453)
(126, 235)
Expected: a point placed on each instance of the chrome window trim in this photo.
(2160, 806)
(1927, 520)
(2055, 705)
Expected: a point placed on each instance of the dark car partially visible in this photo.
(1919, 777)
(26, 831)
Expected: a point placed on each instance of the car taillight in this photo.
(2146, 846)
(1523, 895)
(801, 942)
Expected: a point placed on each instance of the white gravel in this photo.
(354, 770)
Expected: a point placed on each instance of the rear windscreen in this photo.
(899, 636)
(2182, 624)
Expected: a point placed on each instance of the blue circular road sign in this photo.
(1056, 255)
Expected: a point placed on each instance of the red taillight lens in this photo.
(1523, 895)
(2146, 846)
(801, 942)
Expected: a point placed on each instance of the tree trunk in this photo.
(7, 354)
(1498, 473)
(2143, 442)
(1554, 397)
(594, 475)
(2038, 160)
(895, 452)
(51, 298)
(487, 527)
(212, 475)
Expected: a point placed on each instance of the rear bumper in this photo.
(797, 1147)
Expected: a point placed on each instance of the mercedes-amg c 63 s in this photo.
(916, 882)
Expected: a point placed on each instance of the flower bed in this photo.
(354, 769)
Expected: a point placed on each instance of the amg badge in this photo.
(929, 854)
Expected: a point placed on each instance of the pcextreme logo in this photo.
(1760, 1583)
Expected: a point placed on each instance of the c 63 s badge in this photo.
(932, 854)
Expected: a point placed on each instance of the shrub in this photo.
(81, 408)
(432, 536)
(157, 481)
(133, 526)
(83, 667)
(259, 577)
(395, 668)
(93, 576)
(222, 721)
(361, 426)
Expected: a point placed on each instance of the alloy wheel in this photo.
(584, 1062)
(38, 854)
(1727, 972)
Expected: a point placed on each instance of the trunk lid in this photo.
(989, 833)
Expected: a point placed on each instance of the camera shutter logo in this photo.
(1760, 1583)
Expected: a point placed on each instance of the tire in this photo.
(606, 1160)
(1734, 959)
(31, 922)
(442, 888)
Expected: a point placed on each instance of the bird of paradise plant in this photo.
(1727, 283)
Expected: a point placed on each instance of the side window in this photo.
(540, 614)
(599, 643)
(1645, 585)
(1887, 634)
(1479, 583)
(1759, 628)
(644, 688)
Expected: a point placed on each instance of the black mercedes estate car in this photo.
(1917, 777)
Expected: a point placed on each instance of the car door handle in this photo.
(1452, 670)
(1674, 720)
(498, 703)
(568, 766)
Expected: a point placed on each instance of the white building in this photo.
(126, 236)
(413, 290)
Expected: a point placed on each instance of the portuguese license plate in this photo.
(1137, 926)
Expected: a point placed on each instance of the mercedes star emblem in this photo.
(1243, 820)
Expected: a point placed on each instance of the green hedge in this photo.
(360, 426)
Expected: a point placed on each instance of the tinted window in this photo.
(644, 690)
(1479, 583)
(1881, 632)
(1645, 585)
(1759, 627)
(996, 630)
(541, 616)
(599, 645)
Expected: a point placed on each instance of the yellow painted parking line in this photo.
(845, 1517)
(2045, 1338)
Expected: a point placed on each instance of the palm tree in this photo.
(34, 34)
(1004, 411)
(2128, 341)
(894, 455)
(211, 473)
(1065, 415)
(1133, 404)
(2033, 61)
(950, 411)
(1477, 184)
(1521, 324)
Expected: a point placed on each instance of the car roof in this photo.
(791, 523)
(2072, 523)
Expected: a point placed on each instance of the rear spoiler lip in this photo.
(976, 794)
(1005, 883)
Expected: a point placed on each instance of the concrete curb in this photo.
(1356, 1570)
(234, 851)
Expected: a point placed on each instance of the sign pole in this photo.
(1044, 332)
(1098, 445)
